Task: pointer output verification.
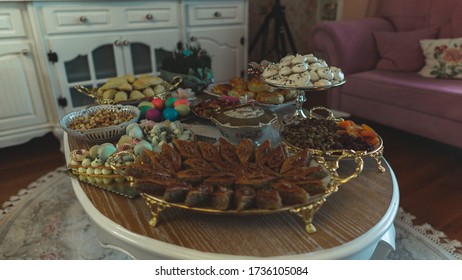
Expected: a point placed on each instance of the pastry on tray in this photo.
(224, 176)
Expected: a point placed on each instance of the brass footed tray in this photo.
(305, 211)
(331, 155)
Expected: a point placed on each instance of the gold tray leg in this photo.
(307, 214)
(378, 158)
(156, 207)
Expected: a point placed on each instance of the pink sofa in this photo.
(402, 99)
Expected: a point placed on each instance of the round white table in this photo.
(354, 223)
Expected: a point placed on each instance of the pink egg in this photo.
(154, 115)
(158, 103)
(181, 101)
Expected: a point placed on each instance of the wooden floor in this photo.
(429, 174)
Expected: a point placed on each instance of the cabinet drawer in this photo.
(63, 20)
(211, 14)
(157, 16)
(11, 24)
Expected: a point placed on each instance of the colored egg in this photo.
(146, 103)
(130, 127)
(183, 109)
(180, 101)
(158, 103)
(170, 101)
(153, 115)
(170, 114)
(144, 106)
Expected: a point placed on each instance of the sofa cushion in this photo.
(438, 97)
(400, 51)
(408, 15)
(443, 58)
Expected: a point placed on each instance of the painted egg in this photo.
(154, 115)
(144, 106)
(158, 103)
(105, 151)
(141, 146)
(183, 109)
(170, 101)
(170, 114)
(181, 101)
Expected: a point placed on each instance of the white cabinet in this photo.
(89, 43)
(22, 111)
(220, 27)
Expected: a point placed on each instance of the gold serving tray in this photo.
(305, 211)
(331, 155)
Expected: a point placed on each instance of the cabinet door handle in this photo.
(117, 43)
(217, 14)
(125, 42)
(83, 19)
(193, 39)
(149, 16)
(24, 52)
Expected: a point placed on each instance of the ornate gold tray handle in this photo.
(307, 212)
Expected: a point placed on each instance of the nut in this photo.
(101, 118)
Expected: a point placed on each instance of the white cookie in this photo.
(316, 66)
(270, 71)
(285, 71)
(298, 59)
(287, 60)
(310, 58)
(299, 68)
(325, 73)
(277, 79)
(314, 76)
(322, 83)
(299, 80)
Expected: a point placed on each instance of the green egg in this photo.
(170, 101)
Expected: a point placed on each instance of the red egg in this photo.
(181, 101)
(154, 115)
(158, 103)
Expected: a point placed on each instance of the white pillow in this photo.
(443, 58)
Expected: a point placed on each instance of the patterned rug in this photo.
(45, 221)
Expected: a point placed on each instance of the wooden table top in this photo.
(357, 208)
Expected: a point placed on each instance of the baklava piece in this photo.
(263, 152)
(199, 196)
(268, 199)
(172, 155)
(300, 159)
(245, 151)
(177, 193)
(209, 151)
(290, 193)
(244, 198)
(187, 149)
(227, 150)
(222, 198)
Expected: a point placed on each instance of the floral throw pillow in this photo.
(443, 58)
